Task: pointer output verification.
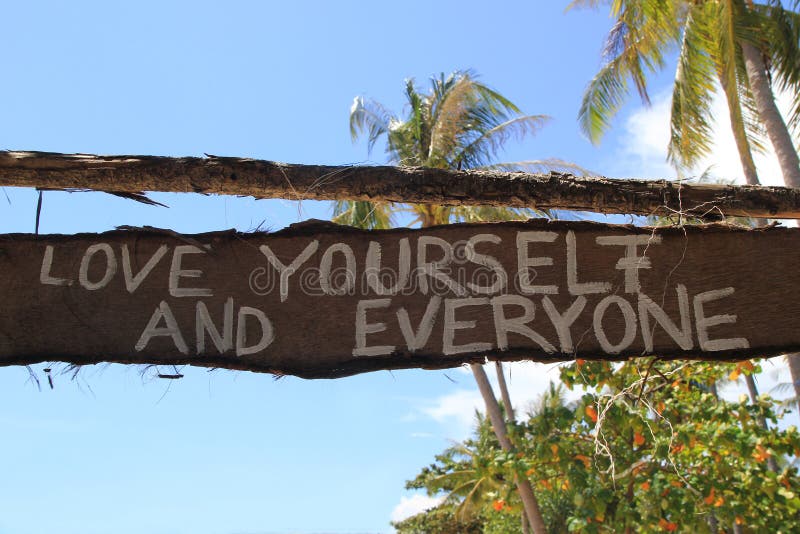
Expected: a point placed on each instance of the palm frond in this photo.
(363, 214)
(450, 119)
(552, 398)
(642, 34)
(496, 102)
(409, 139)
(781, 43)
(691, 130)
(473, 500)
(732, 26)
(602, 98)
(486, 145)
(371, 117)
(579, 4)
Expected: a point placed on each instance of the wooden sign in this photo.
(320, 300)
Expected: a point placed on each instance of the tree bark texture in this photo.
(794, 370)
(504, 393)
(266, 179)
(770, 115)
(529, 501)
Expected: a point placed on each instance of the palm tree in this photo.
(778, 44)
(725, 43)
(465, 472)
(459, 124)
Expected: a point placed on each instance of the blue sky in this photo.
(117, 450)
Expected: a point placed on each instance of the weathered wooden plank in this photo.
(319, 300)
(266, 179)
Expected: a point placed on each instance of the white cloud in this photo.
(526, 382)
(456, 411)
(413, 505)
(643, 144)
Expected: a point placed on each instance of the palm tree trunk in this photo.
(752, 390)
(510, 417)
(529, 501)
(501, 382)
(794, 371)
(770, 115)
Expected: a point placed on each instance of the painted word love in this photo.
(320, 300)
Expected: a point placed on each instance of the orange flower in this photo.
(580, 361)
(708, 500)
(645, 486)
(499, 505)
(638, 439)
(660, 407)
(592, 413)
(669, 526)
(585, 459)
(761, 454)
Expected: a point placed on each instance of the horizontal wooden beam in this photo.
(319, 300)
(267, 179)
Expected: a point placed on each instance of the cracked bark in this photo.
(266, 179)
